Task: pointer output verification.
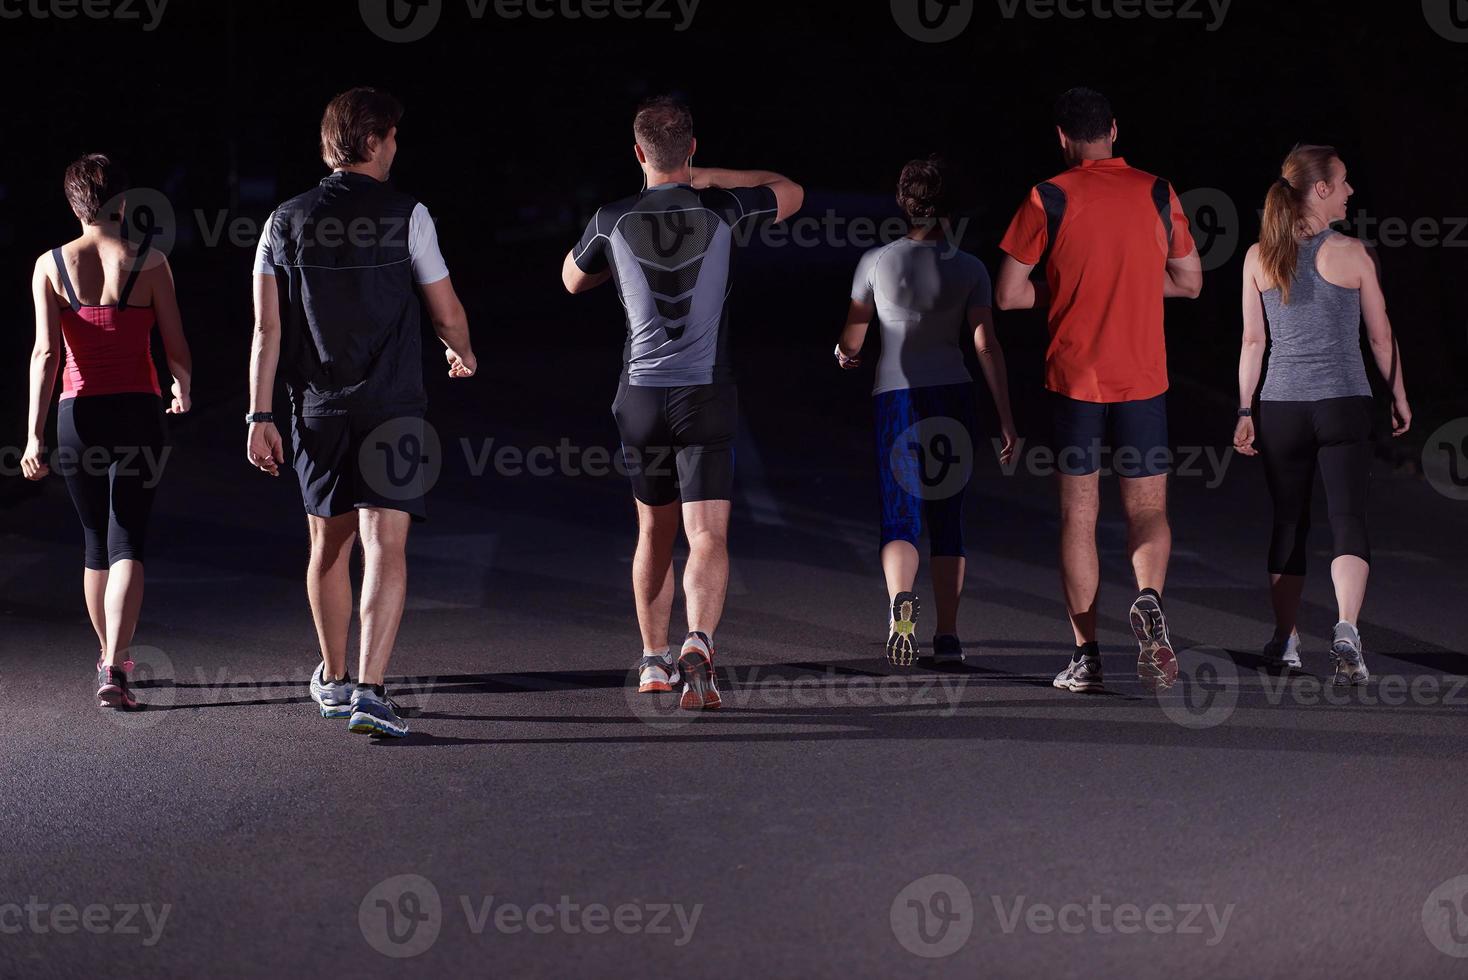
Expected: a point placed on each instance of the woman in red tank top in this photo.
(98, 298)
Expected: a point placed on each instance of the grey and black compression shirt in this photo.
(671, 251)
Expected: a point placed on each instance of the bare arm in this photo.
(858, 320)
(451, 324)
(1251, 351)
(1380, 336)
(175, 347)
(45, 362)
(1017, 290)
(996, 374)
(263, 446)
(789, 195)
(1184, 278)
(577, 281)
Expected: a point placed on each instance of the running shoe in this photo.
(374, 713)
(1156, 663)
(901, 631)
(1080, 676)
(947, 649)
(656, 674)
(112, 691)
(700, 685)
(1345, 653)
(1283, 653)
(334, 697)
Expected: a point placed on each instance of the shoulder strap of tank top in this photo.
(76, 304)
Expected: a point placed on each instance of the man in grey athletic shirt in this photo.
(670, 250)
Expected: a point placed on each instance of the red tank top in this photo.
(109, 349)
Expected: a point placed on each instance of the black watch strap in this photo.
(1245, 413)
(254, 417)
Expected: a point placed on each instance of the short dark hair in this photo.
(91, 182)
(351, 119)
(924, 189)
(1084, 115)
(663, 128)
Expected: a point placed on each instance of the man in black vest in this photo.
(338, 275)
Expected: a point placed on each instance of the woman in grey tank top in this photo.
(930, 300)
(1306, 291)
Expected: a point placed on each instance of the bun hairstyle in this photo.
(1284, 211)
(924, 190)
(90, 182)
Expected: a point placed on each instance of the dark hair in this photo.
(351, 119)
(92, 182)
(1284, 211)
(925, 189)
(1084, 115)
(663, 128)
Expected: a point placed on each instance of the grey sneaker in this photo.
(334, 697)
(375, 714)
(1345, 653)
(656, 674)
(1283, 653)
(1081, 676)
(947, 649)
(1156, 663)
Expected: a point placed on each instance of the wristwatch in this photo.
(254, 417)
(1245, 413)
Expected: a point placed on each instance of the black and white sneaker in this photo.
(1282, 653)
(902, 630)
(1081, 676)
(947, 649)
(1345, 653)
(1156, 662)
(656, 674)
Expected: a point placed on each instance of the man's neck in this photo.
(366, 170)
(655, 179)
(1078, 153)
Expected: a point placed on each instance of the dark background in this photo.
(517, 129)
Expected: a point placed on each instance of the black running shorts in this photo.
(678, 443)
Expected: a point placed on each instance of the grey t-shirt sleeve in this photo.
(423, 250)
(982, 293)
(590, 254)
(863, 284)
(265, 249)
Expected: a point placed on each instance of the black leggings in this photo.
(1297, 438)
(110, 451)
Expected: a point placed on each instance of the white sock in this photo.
(657, 653)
